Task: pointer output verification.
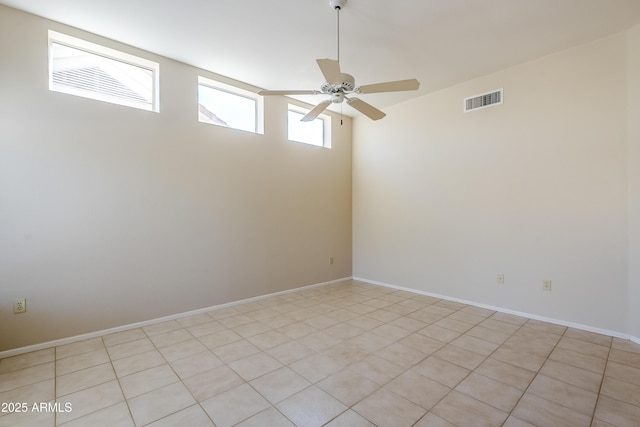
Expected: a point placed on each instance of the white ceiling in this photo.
(274, 44)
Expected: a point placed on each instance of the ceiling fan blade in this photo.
(330, 70)
(288, 92)
(311, 115)
(396, 86)
(367, 109)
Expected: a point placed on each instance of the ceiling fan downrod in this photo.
(337, 5)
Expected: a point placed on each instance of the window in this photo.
(315, 132)
(81, 68)
(225, 105)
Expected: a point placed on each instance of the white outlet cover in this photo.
(20, 305)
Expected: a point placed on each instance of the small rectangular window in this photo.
(81, 68)
(315, 132)
(225, 105)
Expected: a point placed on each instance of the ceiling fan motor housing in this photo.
(348, 84)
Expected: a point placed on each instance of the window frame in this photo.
(55, 37)
(240, 92)
(326, 125)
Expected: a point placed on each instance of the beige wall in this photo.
(633, 99)
(535, 189)
(110, 215)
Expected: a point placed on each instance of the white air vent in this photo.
(483, 100)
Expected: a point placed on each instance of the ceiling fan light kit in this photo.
(338, 84)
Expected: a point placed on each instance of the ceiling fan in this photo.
(338, 84)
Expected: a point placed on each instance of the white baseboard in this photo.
(69, 340)
(507, 311)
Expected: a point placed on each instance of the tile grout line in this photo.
(319, 352)
(473, 370)
(207, 350)
(174, 371)
(448, 343)
(126, 401)
(312, 384)
(261, 351)
(84, 389)
(251, 385)
(537, 372)
(181, 379)
(604, 373)
(462, 379)
(380, 386)
(445, 344)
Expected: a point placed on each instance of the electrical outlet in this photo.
(19, 305)
(546, 285)
(330, 260)
(500, 278)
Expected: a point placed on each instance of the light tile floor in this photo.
(349, 354)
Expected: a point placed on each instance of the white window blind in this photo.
(84, 69)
